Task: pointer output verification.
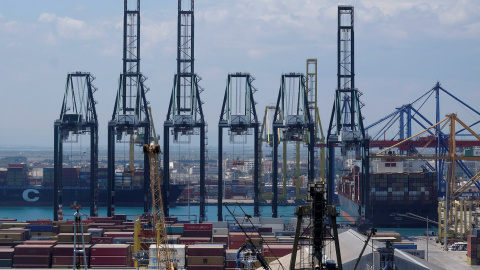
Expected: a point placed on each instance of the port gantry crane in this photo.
(185, 114)
(292, 118)
(265, 136)
(240, 117)
(312, 94)
(77, 116)
(130, 114)
(346, 128)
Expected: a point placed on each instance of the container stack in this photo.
(206, 257)
(137, 180)
(68, 238)
(110, 255)
(70, 176)
(473, 250)
(238, 239)
(196, 233)
(32, 256)
(102, 177)
(274, 252)
(6, 257)
(48, 177)
(62, 256)
(17, 175)
(41, 230)
(231, 259)
(177, 255)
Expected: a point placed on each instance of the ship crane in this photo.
(239, 116)
(77, 116)
(130, 114)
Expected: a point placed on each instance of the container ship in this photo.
(391, 193)
(17, 188)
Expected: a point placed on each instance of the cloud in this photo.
(47, 17)
(441, 19)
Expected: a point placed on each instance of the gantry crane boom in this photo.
(162, 250)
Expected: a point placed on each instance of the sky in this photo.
(402, 48)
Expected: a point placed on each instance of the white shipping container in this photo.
(177, 250)
(220, 224)
(179, 261)
(220, 231)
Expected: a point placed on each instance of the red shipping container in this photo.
(67, 249)
(40, 222)
(6, 253)
(110, 250)
(469, 253)
(102, 240)
(206, 250)
(206, 267)
(100, 225)
(264, 229)
(220, 239)
(40, 242)
(30, 266)
(34, 250)
(235, 244)
(109, 261)
(230, 264)
(84, 222)
(118, 234)
(68, 260)
(197, 227)
(197, 233)
(31, 260)
(100, 219)
(193, 240)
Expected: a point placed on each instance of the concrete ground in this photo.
(450, 260)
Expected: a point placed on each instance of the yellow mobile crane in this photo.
(158, 217)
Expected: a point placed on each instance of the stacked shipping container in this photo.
(473, 250)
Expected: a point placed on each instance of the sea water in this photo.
(22, 213)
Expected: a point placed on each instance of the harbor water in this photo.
(22, 213)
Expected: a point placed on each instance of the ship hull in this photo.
(382, 215)
(43, 196)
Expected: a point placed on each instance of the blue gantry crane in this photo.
(130, 114)
(346, 129)
(185, 114)
(77, 116)
(239, 116)
(292, 122)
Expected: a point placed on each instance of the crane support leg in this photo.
(256, 187)
(220, 175)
